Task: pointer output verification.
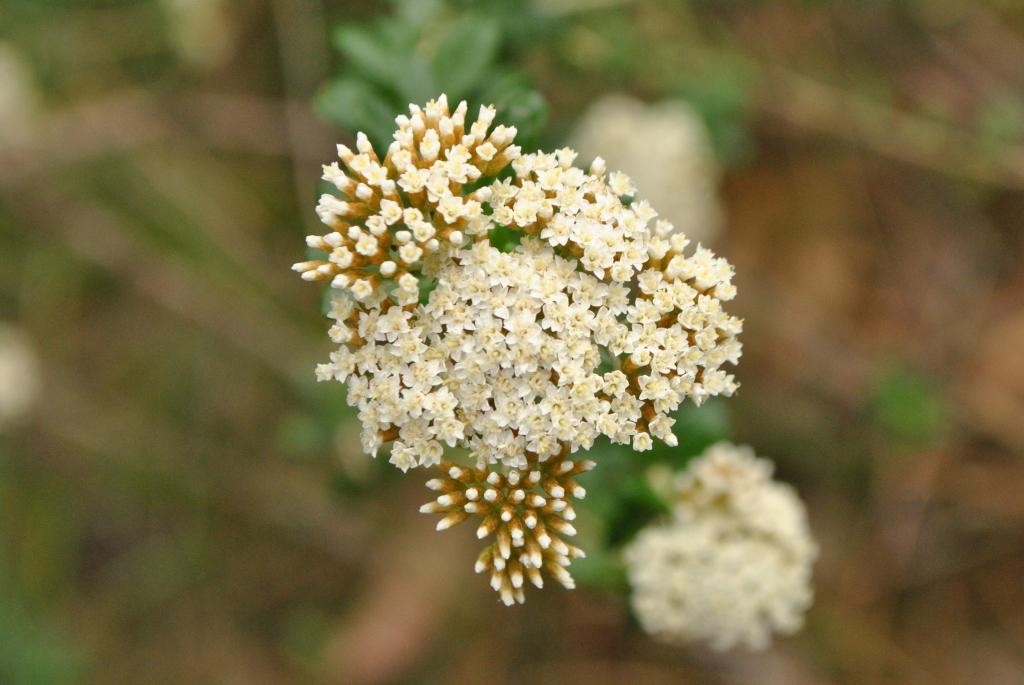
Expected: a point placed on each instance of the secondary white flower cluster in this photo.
(735, 564)
(597, 323)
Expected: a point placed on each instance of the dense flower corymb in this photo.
(595, 324)
(735, 564)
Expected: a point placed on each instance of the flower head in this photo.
(596, 323)
(734, 566)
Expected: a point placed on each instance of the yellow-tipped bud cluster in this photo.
(380, 234)
(526, 510)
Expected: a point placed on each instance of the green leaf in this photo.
(357, 106)
(313, 254)
(465, 55)
(504, 238)
(601, 568)
(416, 82)
(697, 428)
(368, 54)
(389, 59)
(636, 506)
(518, 105)
(400, 37)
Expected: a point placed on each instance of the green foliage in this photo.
(32, 650)
(504, 238)
(466, 54)
(698, 428)
(518, 102)
(428, 48)
(908, 406)
(356, 105)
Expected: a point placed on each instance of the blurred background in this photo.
(181, 502)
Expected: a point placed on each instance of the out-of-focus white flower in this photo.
(19, 98)
(19, 375)
(734, 566)
(597, 323)
(200, 31)
(666, 150)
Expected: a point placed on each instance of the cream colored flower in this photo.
(521, 357)
(734, 566)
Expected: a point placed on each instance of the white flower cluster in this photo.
(503, 357)
(735, 564)
(596, 323)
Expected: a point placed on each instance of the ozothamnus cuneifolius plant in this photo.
(595, 324)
